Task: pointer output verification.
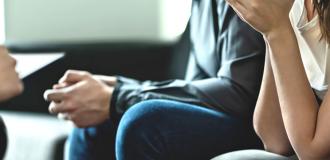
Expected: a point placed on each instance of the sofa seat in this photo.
(35, 136)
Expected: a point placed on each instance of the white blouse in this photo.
(314, 51)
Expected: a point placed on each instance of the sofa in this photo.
(35, 136)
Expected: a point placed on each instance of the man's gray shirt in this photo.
(224, 71)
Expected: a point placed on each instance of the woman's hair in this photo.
(323, 9)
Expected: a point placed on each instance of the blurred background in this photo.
(2, 21)
(76, 21)
(145, 39)
(139, 39)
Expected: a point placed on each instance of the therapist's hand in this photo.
(266, 16)
(81, 98)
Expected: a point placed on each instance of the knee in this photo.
(139, 123)
(140, 118)
(144, 114)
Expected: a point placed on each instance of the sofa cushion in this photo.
(252, 155)
(33, 136)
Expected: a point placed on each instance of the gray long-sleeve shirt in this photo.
(224, 70)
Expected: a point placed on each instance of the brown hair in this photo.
(323, 9)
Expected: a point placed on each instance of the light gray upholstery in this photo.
(34, 136)
(252, 155)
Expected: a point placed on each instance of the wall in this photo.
(2, 25)
(43, 21)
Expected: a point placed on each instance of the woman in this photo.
(293, 108)
(10, 86)
(10, 83)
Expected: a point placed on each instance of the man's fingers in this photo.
(56, 95)
(61, 107)
(52, 108)
(73, 76)
(64, 116)
(61, 85)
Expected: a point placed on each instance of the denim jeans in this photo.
(162, 129)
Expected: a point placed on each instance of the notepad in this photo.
(28, 64)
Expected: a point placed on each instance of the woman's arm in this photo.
(268, 121)
(307, 126)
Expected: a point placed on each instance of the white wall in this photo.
(174, 17)
(2, 25)
(95, 20)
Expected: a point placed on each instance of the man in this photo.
(206, 114)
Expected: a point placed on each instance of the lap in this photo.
(187, 131)
(190, 131)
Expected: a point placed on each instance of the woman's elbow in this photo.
(279, 148)
(259, 125)
(272, 143)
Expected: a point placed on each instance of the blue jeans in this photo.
(162, 129)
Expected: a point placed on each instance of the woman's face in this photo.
(10, 84)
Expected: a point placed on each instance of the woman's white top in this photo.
(315, 52)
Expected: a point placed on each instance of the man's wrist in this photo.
(108, 80)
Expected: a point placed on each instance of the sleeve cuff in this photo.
(114, 116)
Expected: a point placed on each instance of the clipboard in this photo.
(28, 64)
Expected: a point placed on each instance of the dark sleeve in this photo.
(234, 89)
(130, 91)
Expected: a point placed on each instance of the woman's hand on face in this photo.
(266, 16)
(10, 84)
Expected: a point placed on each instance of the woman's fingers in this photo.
(240, 2)
(239, 14)
(239, 7)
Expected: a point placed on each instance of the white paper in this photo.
(29, 63)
